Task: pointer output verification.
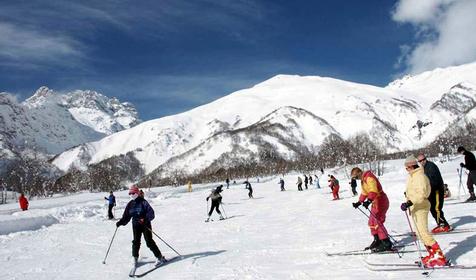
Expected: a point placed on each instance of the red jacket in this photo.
(23, 202)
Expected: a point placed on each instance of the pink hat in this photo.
(134, 189)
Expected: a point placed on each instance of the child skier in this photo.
(216, 201)
(281, 183)
(141, 213)
(299, 183)
(334, 185)
(23, 202)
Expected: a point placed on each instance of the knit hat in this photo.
(411, 159)
(460, 149)
(133, 190)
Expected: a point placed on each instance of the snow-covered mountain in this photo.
(51, 122)
(290, 113)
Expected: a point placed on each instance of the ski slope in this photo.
(277, 235)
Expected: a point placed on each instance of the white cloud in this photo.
(30, 46)
(445, 32)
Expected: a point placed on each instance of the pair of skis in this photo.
(132, 273)
(395, 250)
(455, 230)
(415, 266)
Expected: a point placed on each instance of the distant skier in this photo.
(227, 181)
(310, 180)
(299, 183)
(417, 192)
(189, 187)
(216, 201)
(334, 185)
(353, 186)
(111, 203)
(317, 181)
(470, 164)
(249, 188)
(23, 202)
(281, 183)
(437, 194)
(141, 213)
(305, 181)
(372, 193)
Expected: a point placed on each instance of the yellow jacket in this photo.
(418, 190)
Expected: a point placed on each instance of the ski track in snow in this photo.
(282, 235)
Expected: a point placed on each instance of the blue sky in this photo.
(168, 56)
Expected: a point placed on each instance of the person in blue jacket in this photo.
(141, 213)
(111, 200)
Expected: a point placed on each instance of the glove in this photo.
(461, 164)
(367, 203)
(406, 205)
(356, 204)
(208, 198)
(118, 224)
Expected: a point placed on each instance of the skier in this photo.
(189, 186)
(216, 201)
(141, 213)
(470, 164)
(23, 202)
(353, 186)
(281, 183)
(249, 188)
(310, 180)
(417, 191)
(437, 194)
(227, 181)
(372, 193)
(111, 202)
(317, 182)
(334, 185)
(299, 183)
(305, 181)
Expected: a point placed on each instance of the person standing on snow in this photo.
(249, 188)
(437, 194)
(470, 164)
(216, 201)
(299, 183)
(227, 181)
(372, 193)
(310, 180)
(317, 181)
(417, 192)
(305, 181)
(111, 202)
(189, 187)
(353, 186)
(334, 185)
(141, 213)
(23, 202)
(281, 183)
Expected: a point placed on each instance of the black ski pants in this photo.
(250, 193)
(436, 199)
(138, 231)
(299, 186)
(215, 205)
(109, 211)
(471, 180)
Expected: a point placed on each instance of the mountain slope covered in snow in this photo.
(407, 114)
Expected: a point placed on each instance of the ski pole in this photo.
(380, 224)
(164, 241)
(224, 212)
(110, 244)
(417, 244)
(207, 206)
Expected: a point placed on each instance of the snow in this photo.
(277, 235)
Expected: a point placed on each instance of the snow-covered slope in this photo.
(51, 123)
(407, 114)
(278, 235)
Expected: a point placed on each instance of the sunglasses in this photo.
(421, 160)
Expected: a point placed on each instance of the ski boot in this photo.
(441, 228)
(207, 220)
(374, 243)
(471, 198)
(160, 261)
(385, 245)
(134, 261)
(435, 257)
(221, 217)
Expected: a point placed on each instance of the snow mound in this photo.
(14, 224)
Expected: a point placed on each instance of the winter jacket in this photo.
(23, 202)
(333, 183)
(371, 187)
(434, 175)
(136, 210)
(215, 196)
(469, 161)
(111, 200)
(299, 181)
(418, 190)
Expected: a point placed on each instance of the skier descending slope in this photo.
(141, 213)
(216, 201)
(372, 193)
(417, 192)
